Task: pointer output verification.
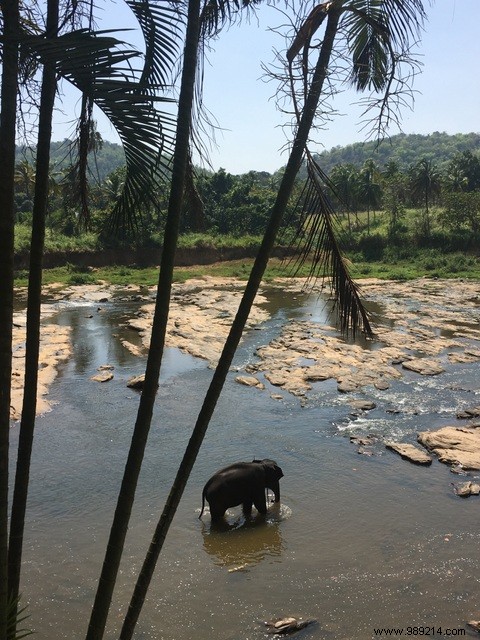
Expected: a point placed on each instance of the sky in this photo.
(447, 91)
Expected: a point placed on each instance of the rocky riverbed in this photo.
(421, 327)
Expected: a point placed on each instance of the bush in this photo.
(372, 247)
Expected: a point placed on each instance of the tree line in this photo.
(239, 204)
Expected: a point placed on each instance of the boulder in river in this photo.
(454, 445)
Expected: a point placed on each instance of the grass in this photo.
(433, 264)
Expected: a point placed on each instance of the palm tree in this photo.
(25, 177)
(425, 183)
(10, 13)
(404, 16)
(27, 423)
(369, 187)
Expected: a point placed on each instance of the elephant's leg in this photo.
(260, 502)
(247, 507)
(217, 512)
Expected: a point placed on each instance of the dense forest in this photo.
(407, 172)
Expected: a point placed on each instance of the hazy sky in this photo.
(447, 98)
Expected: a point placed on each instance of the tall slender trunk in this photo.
(7, 223)
(236, 329)
(144, 417)
(27, 424)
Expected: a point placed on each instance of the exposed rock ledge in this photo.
(454, 445)
(410, 452)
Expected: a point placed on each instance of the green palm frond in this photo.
(375, 28)
(317, 241)
(161, 22)
(101, 68)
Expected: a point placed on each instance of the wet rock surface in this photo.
(409, 452)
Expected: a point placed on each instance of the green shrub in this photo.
(372, 247)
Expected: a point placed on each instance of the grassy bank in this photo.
(429, 263)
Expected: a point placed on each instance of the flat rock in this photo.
(362, 405)
(409, 452)
(423, 366)
(250, 381)
(103, 376)
(137, 382)
(454, 445)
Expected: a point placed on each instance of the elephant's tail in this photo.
(203, 504)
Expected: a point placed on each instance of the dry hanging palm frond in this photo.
(317, 240)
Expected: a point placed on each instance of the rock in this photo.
(106, 367)
(409, 452)
(475, 624)
(362, 405)
(363, 441)
(136, 382)
(104, 376)
(347, 385)
(250, 381)
(467, 489)
(469, 413)
(454, 445)
(423, 366)
(287, 625)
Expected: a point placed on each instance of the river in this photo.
(359, 543)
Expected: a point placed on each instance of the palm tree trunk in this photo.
(144, 417)
(27, 424)
(8, 103)
(236, 330)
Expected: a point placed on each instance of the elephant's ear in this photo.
(278, 472)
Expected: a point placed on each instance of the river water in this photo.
(359, 542)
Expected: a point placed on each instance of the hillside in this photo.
(404, 149)
(107, 159)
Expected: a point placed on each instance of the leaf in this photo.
(317, 240)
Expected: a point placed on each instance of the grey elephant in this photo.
(242, 483)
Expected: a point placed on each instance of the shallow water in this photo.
(358, 542)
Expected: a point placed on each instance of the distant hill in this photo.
(405, 149)
(107, 159)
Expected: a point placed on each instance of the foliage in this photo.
(404, 149)
(461, 210)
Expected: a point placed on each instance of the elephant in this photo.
(242, 483)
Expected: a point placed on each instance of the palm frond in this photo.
(375, 28)
(101, 67)
(317, 241)
(216, 13)
(15, 617)
(161, 22)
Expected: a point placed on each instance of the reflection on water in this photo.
(364, 543)
(238, 543)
